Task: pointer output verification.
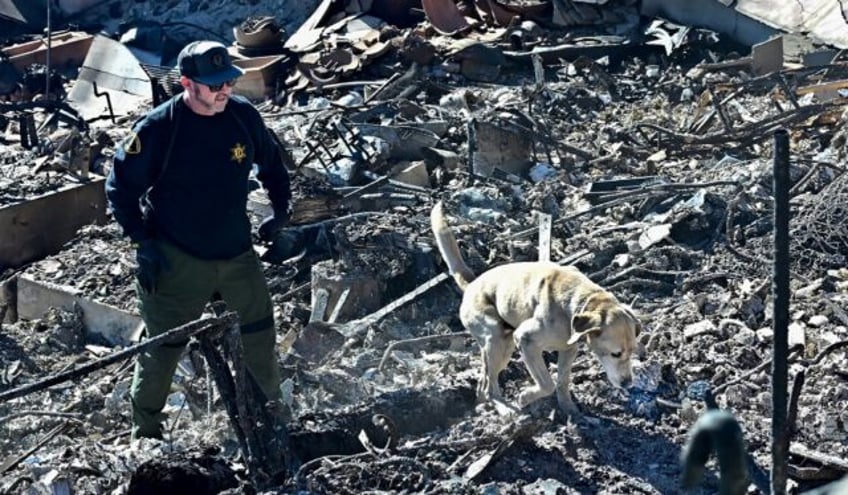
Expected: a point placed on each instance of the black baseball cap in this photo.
(207, 62)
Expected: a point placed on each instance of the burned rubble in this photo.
(633, 148)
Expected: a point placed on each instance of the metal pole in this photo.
(47, 78)
(779, 369)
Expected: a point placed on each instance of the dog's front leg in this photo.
(565, 360)
(526, 338)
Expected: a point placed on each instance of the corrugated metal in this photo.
(822, 20)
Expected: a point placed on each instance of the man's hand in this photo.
(286, 244)
(273, 225)
(151, 264)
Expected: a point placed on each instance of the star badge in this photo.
(238, 153)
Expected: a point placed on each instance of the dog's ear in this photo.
(583, 325)
(637, 323)
(576, 336)
(582, 322)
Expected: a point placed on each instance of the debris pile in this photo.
(645, 161)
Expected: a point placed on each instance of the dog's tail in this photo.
(449, 248)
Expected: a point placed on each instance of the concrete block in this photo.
(35, 297)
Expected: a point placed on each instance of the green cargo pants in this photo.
(180, 297)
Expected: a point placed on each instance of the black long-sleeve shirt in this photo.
(199, 201)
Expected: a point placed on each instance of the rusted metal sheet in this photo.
(260, 76)
(494, 13)
(445, 16)
(527, 9)
(68, 48)
(41, 226)
(35, 297)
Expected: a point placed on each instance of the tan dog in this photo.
(538, 306)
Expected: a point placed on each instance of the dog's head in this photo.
(610, 329)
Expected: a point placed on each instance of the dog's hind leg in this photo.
(501, 357)
(492, 336)
(484, 391)
(525, 337)
(500, 353)
(492, 350)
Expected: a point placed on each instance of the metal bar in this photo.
(49, 49)
(545, 237)
(378, 315)
(471, 131)
(719, 109)
(779, 370)
(790, 93)
(98, 93)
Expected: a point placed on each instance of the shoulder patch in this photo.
(132, 144)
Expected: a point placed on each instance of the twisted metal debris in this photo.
(819, 236)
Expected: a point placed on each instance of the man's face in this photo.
(203, 100)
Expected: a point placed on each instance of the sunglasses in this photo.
(218, 87)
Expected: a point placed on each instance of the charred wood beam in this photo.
(75, 417)
(743, 134)
(403, 86)
(227, 388)
(796, 350)
(833, 462)
(259, 428)
(623, 197)
(180, 333)
(15, 460)
(50, 105)
(360, 325)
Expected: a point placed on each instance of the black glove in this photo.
(151, 264)
(286, 244)
(272, 225)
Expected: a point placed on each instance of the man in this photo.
(178, 188)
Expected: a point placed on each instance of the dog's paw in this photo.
(527, 397)
(487, 393)
(567, 405)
